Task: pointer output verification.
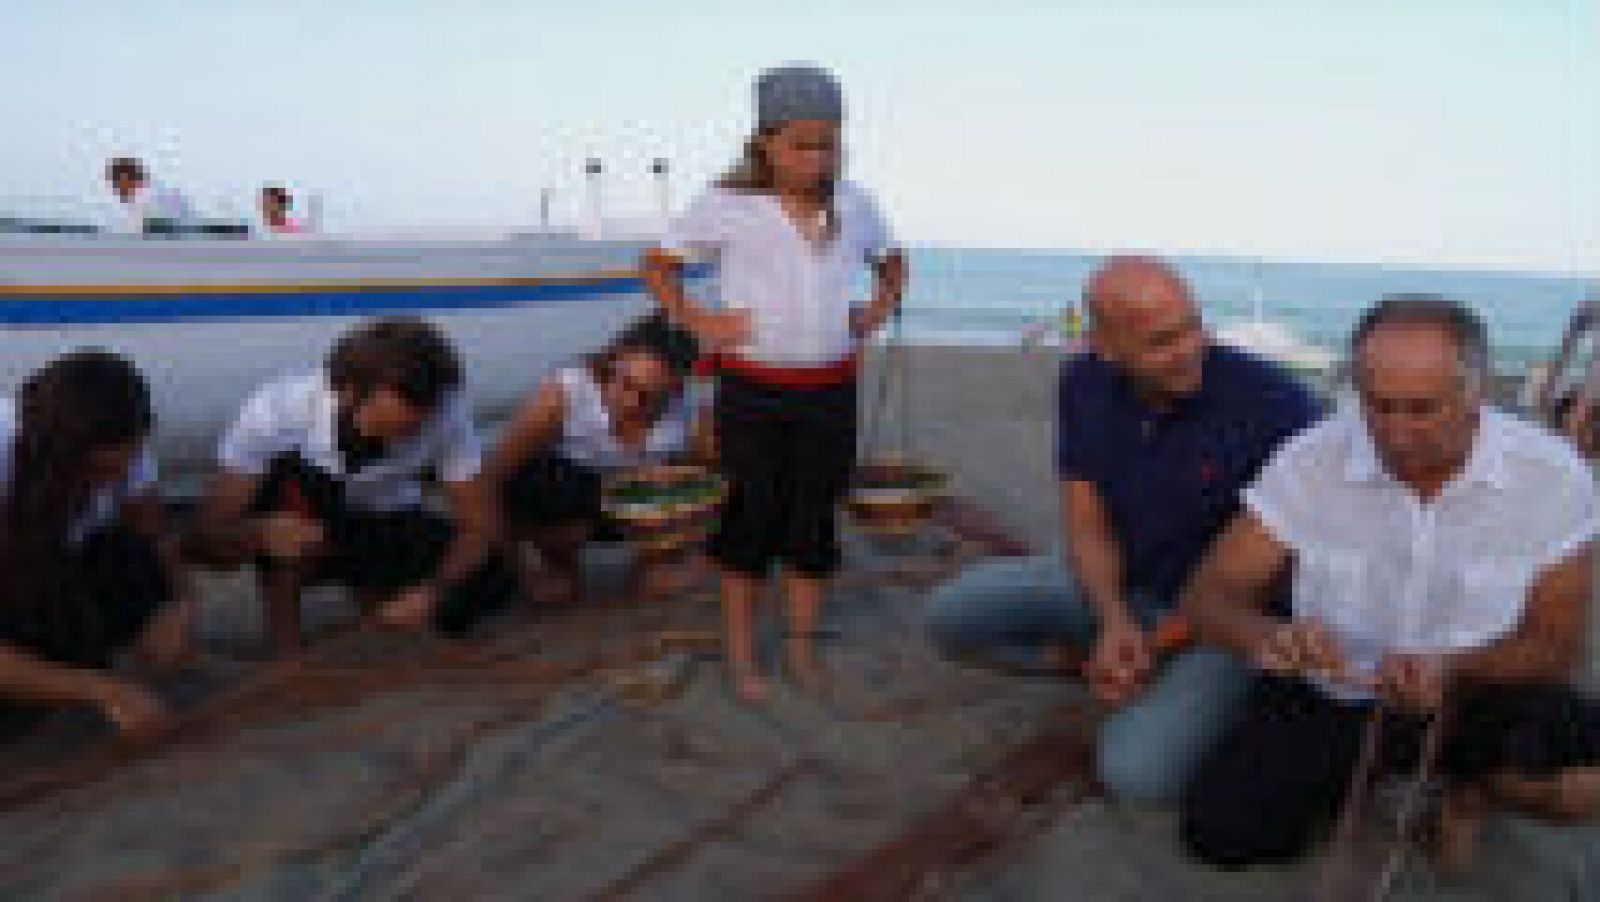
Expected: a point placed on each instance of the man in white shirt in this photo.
(140, 203)
(322, 480)
(1440, 558)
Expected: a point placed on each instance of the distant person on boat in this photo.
(1440, 554)
(792, 238)
(625, 407)
(1159, 428)
(323, 480)
(277, 213)
(89, 579)
(142, 204)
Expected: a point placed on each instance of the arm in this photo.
(536, 426)
(889, 284)
(663, 276)
(165, 641)
(1549, 643)
(1226, 596)
(223, 536)
(1093, 552)
(477, 521)
(703, 439)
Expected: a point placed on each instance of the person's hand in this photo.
(412, 609)
(1417, 682)
(1121, 662)
(720, 330)
(1303, 648)
(133, 710)
(866, 321)
(289, 537)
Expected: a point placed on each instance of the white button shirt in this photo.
(297, 415)
(799, 294)
(1389, 573)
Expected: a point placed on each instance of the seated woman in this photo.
(626, 406)
(86, 575)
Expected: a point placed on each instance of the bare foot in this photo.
(749, 684)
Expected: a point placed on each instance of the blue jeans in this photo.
(1011, 612)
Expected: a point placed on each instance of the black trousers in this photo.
(385, 551)
(1279, 776)
(788, 455)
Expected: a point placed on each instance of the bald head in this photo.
(1145, 321)
(1129, 286)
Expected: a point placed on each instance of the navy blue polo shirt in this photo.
(1171, 479)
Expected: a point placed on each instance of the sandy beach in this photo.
(596, 753)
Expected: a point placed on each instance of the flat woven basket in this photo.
(662, 508)
(894, 495)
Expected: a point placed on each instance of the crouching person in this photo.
(322, 480)
(88, 575)
(625, 407)
(1441, 568)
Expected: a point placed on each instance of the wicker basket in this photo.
(894, 496)
(664, 509)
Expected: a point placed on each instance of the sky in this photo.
(1425, 132)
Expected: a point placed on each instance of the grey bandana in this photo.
(798, 92)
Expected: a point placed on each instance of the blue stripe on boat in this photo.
(45, 309)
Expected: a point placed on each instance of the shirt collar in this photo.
(1485, 465)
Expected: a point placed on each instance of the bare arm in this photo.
(1093, 552)
(27, 677)
(536, 425)
(663, 276)
(889, 285)
(224, 536)
(703, 439)
(1226, 596)
(477, 521)
(1549, 643)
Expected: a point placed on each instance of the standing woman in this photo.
(792, 240)
(86, 572)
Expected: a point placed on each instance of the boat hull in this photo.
(208, 323)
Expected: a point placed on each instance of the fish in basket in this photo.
(665, 509)
(894, 495)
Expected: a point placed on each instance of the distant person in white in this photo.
(277, 217)
(140, 201)
(1440, 558)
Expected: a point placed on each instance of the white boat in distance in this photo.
(209, 319)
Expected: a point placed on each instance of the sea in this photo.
(991, 297)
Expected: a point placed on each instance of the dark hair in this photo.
(654, 334)
(753, 174)
(1465, 330)
(125, 167)
(68, 409)
(279, 194)
(403, 353)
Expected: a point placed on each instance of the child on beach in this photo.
(87, 576)
(322, 481)
(791, 240)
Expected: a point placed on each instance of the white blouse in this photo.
(297, 415)
(1388, 573)
(588, 436)
(800, 294)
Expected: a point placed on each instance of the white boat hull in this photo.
(208, 321)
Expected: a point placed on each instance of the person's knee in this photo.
(948, 614)
(1135, 771)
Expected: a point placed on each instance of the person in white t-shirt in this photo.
(140, 202)
(792, 241)
(322, 479)
(1440, 554)
(88, 573)
(625, 407)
